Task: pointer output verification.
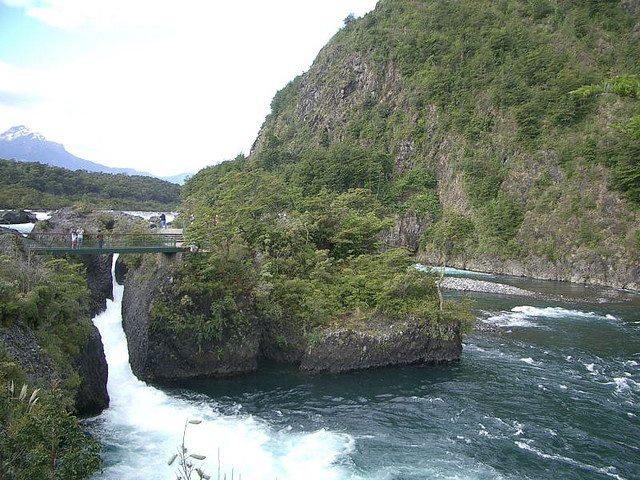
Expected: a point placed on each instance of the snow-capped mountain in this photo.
(21, 144)
(20, 131)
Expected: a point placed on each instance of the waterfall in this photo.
(142, 428)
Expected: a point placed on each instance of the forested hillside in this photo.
(37, 186)
(458, 120)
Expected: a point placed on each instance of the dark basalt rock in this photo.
(21, 344)
(120, 271)
(91, 365)
(99, 281)
(401, 343)
(162, 355)
(16, 216)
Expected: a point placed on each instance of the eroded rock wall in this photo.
(160, 353)
(400, 343)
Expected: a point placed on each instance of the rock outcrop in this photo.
(401, 343)
(16, 216)
(99, 281)
(406, 231)
(162, 355)
(120, 270)
(22, 345)
(90, 363)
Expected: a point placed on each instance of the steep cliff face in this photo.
(478, 94)
(164, 349)
(99, 281)
(45, 326)
(91, 365)
(158, 352)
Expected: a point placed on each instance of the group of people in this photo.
(77, 238)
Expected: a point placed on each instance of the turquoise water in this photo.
(551, 391)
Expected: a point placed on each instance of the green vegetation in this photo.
(50, 297)
(458, 113)
(38, 186)
(303, 254)
(478, 91)
(624, 155)
(43, 439)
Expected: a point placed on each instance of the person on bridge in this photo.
(74, 239)
(163, 221)
(80, 236)
(100, 239)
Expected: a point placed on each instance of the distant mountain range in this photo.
(21, 144)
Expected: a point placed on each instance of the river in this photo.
(545, 390)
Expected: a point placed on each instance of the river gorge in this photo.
(545, 389)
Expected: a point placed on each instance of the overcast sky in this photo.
(157, 85)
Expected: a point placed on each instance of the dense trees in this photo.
(307, 252)
(38, 186)
(476, 90)
(623, 154)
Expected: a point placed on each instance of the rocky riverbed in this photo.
(473, 285)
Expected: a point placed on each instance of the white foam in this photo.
(510, 319)
(558, 312)
(145, 425)
(608, 471)
(170, 216)
(23, 228)
(624, 384)
(529, 361)
(523, 316)
(519, 429)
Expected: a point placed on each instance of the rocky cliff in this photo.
(53, 343)
(162, 352)
(159, 353)
(478, 94)
(91, 365)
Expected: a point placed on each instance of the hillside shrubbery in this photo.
(42, 438)
(484, 84)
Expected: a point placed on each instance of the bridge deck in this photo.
(58, 243)
(43, 250)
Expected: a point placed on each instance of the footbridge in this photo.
(59, 243)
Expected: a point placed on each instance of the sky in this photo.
(163, 86)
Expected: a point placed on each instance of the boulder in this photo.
(406, 342)
(16, 216)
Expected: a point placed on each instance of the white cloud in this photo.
(190, 87)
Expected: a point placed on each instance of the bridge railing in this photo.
(108, 240)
